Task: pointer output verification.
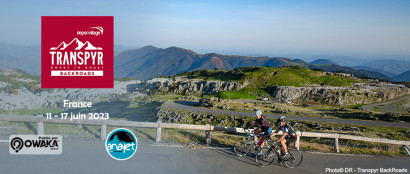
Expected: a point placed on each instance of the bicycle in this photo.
(293, 159)
(243, 146)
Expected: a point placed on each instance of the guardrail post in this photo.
(208, 135)
(40, 126)
(297, 142)
(103, 133)
(158, 135)
(336, 144)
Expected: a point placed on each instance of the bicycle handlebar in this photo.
(247, 130)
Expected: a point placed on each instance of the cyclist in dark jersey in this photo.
(289, 134)
(263, 126)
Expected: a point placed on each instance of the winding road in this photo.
(389, 106)
(187, 106)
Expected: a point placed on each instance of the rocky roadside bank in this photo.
(184, 86)
(359, 93)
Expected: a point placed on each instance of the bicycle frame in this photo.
(252, 137)
(275, 147)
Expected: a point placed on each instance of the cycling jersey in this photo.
(291, 133)
(265, 124)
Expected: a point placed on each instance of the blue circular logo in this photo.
(121, 144)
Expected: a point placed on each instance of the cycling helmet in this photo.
(258, 112)
(281, 119)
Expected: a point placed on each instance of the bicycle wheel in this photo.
(293, 159)
(266, 158)
(242, 147)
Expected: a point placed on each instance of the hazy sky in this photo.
(357, 26)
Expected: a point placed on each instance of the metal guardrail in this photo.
(207, 128)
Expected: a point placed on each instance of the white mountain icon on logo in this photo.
(77, 45)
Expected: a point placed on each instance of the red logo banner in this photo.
(77, 51)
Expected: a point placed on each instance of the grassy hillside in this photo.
(261, 77)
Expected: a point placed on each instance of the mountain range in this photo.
(22, 57)
(393, 66)
(404, 77)
(323, 62)
(150, 61)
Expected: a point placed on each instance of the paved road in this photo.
(91, 157)
(388, 106)
(187, 105)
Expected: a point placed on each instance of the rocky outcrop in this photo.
(360, 93)
(180, 85)
(171, 116)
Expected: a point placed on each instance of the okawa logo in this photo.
(77, 52)
(35, 144)
(121, 144)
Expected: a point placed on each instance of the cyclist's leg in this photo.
(283, 147)
(271, 136)
(265, 135)
(289, 141)
(257, 131)
(262, 141)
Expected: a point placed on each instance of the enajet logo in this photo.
(77, 52)
(121, 144)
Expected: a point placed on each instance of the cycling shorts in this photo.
(267, 132)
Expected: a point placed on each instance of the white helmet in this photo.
(258, 112)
